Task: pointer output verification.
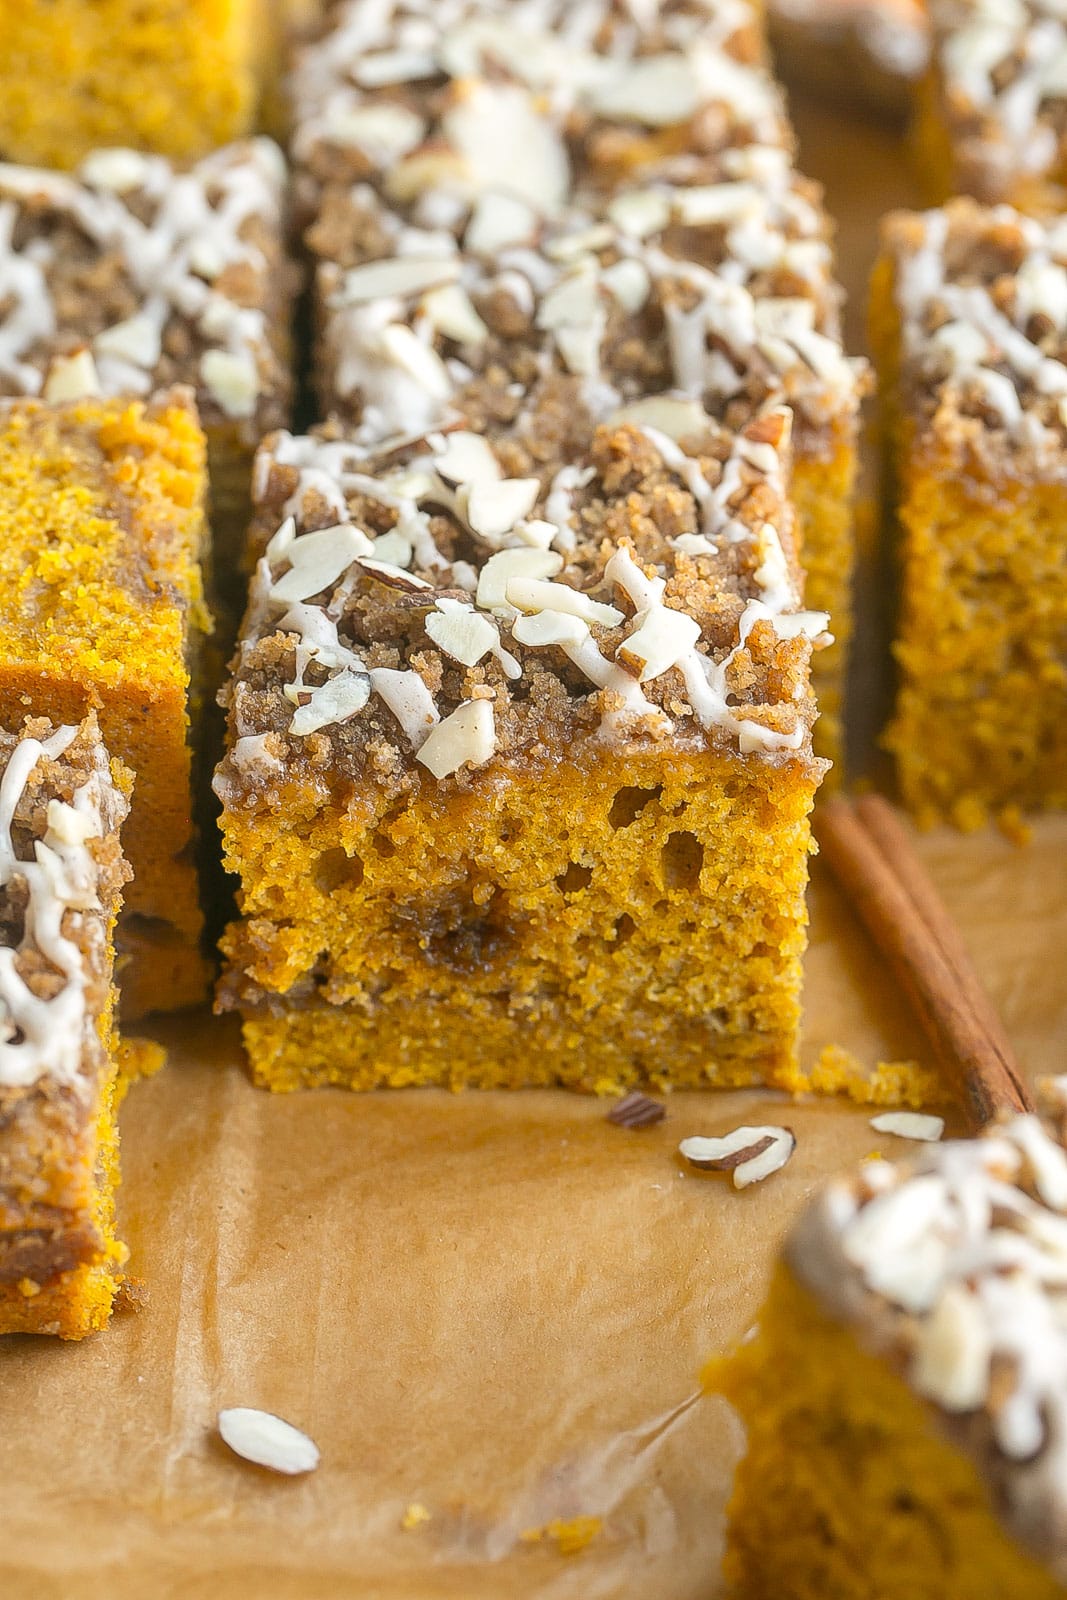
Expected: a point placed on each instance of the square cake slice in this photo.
(969, 325)
(102, 529)
(76, 75)
(131, 275)
(62, 801)
(519, 774)
(435, 104)
(991, 118)
(905, 1391)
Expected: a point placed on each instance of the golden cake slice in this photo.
(152, 275)
(518, 776)
(102, 529)
(905, 1391)
(990, 119)
(968, 320)
(62, 801)
(77, 75)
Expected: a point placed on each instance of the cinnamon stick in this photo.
(872, 856)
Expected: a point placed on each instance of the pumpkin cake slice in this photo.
(62, 801)
(518, 776)
(102, 530)
(905, 1391)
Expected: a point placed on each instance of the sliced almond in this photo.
(232, 379)
(137, 340)
(627, 282)
(499, 220)
(534, 594)
(508, 143)
(672, 415)
(640, 212)
(266, 1440)
(332, 702)
(461, 632)
(952, 1358)
(500, 569)
(493, 509)
(751, 1154)
(408, 698)
(545, 628)
(385, 130)
(398, 277)
(659, 643)
(452, 313)
(467, 458)
(317, 560)
(467, 738)
(910, 1125)
(659, 90)
(72, 377)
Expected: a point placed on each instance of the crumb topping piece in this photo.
(162, 273)
(954, 1265)
(49, 880)
(982, 296)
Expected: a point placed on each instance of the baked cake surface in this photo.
(62, 871)
(428, 638)
(969, 312)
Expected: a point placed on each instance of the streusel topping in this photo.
(426, 605)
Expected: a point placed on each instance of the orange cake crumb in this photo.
(836, 1071)
(102, 512)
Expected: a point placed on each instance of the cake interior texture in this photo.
(596, 921)
(849, 1489)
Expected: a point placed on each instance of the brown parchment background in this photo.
(493, 1306)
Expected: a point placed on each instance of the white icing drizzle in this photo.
(46, 1037)
(957, 337)
(521, 585)
(955, 1264)
(1003, 66)
(173, 257)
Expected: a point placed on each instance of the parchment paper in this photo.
(492, 1307)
